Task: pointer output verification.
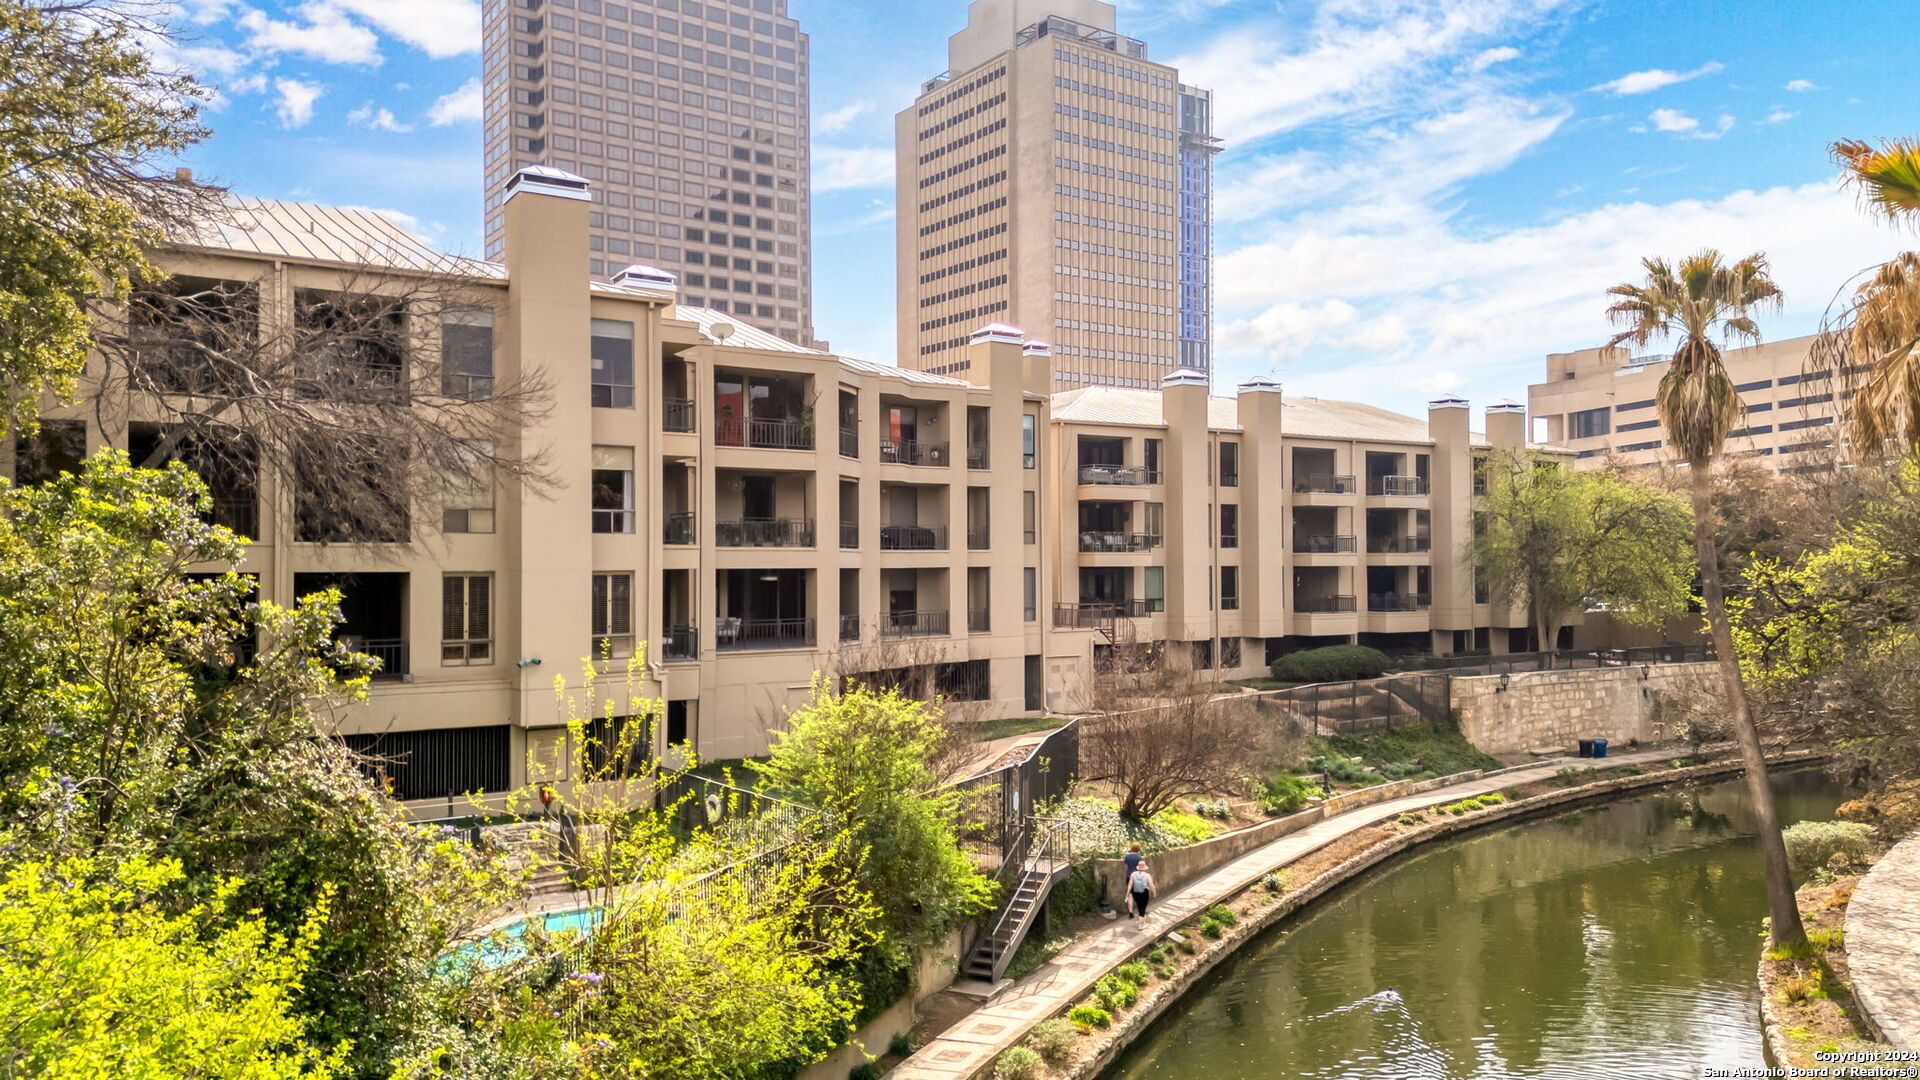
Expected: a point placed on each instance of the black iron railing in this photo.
(914, 624)
(976, 457)
(1320, 544)
(913, 453)
(1390, 601)
(913, 538)
(978, 621)
(1118, 542)
(732, 633)
(788, 434)
(978, 539)
(850, 442)
(678, 529)
(1324, 483)
(1323, 605)
(849, 628)
(1097, 613)
(1396, 485)
(764, 532)
(677, 414)
(1399, 545)
(390, 652)
(682, 643)
(1118, 474)
(239, 513)
(849, 534)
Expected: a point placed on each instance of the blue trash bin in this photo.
(1599, 748)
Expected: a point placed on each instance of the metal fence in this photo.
(1560, 660)
(1368, 705)
(999, 804)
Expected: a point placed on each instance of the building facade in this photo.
(690, 118)
(1600, 404)
(728, 513)
(1057, 179)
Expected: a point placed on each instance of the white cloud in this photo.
(205, 12)
(1673, 120)
(1491, 57)
(463, 105)
(1779, 116)
(1640, 82)
(840, 119)
(439, 28)
(1800, 86)
(248, 84)
(840, 168)
(296, 98)
(326, 35)
(377, 119)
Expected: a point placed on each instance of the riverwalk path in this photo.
(972, 1044)
(1883, 944)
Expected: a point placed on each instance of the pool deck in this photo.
(1883, 944)
(969, 1047)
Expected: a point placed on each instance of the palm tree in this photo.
(1689, 303)
(1873, 341)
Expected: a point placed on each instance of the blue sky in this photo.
(1417, 196)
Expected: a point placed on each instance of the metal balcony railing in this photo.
(683, 643)
(735, 633)
(1320, 544)
(788, 434)
(1399, 545)
(1396, 485)
(613, 521)
(977, 457)
(1323, 605)
(678, 529)
(977, 621)
(1324, 483)
(241, 514)
(764, 532)
(1118, 474)
(978, 539)
(914, 624)
(1399, 601)
(850, 442)
(849, 628)
(677, 414)
(1118, 542)
(913, 538)
(1096, 613)
(913, 453)
(390, 652)
(849, 534)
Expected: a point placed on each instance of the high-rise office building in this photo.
(690, 118)
(1056, 179)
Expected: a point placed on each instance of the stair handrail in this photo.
(1043, 845)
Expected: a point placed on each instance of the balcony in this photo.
(1095, 614)
(682, 643)
(849, 628)
(1399, 545)
(977, 457)
(1118, 543)
(1229, 540)
(390, 652)
(1229, 603)
(678, 529)
(977, 621)
(677, 414)
(850, 443)
(791, 433)
(1322, 483)
(731, 634)
(914, 624)
(1318, 544)
(913, 538)
(1323, 605)
(764, 532)
(1118, 474)
(1397, 485)
(913, 453)
(850, 534)
(1399, 601)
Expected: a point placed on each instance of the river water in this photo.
(1614, 942)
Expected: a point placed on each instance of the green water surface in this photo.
(1613, 942)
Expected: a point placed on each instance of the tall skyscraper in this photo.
(689, 116)
(1057, 179)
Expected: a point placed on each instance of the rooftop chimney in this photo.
(547, 180)
(998, 332)
(645, 276)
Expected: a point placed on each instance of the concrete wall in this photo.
(1557, 708)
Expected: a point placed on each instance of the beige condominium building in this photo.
(1057, 179)
(691, 119)
(1600, 403)
(726, 513)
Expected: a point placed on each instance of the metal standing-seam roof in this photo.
(350, 236)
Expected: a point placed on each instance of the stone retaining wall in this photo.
(1883, 945)
(1505, 714)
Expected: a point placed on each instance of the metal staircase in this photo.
(1036, 862)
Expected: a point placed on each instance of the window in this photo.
(466, 619)
(1151, 458)
(1590, 424)
(1229, 653)
(56, 450)
(1156, 588)
(1030, 586)
(1229, 464)
(1030, 517)
(612, 364)
(469, 506)
(613, 489)
(466, 355)
(1156, 520)
(1229, 525)
(1230, 589)
(1029, 448)
(612, 615)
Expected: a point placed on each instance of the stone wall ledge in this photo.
(1883, 945)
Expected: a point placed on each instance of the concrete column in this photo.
(1190, 557)
(1265, 547)
(1507, 425)
(1451, 497)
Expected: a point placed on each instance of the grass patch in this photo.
(1191, 828)
(1264, 682)
(1436, 746)
(1004, 728)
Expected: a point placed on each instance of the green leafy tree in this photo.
(1693, 302)
(97, 978)
(1560, 540)
(133, 726)
(89, 121)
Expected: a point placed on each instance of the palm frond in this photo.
(1887, 177)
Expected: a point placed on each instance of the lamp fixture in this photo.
(528, 661)
(1505, 680)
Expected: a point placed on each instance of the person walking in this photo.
(1139, 890)
(1134, 859)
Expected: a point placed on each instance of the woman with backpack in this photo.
(1139, 890)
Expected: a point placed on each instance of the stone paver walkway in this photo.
(977, 1040)
(1883, 944)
